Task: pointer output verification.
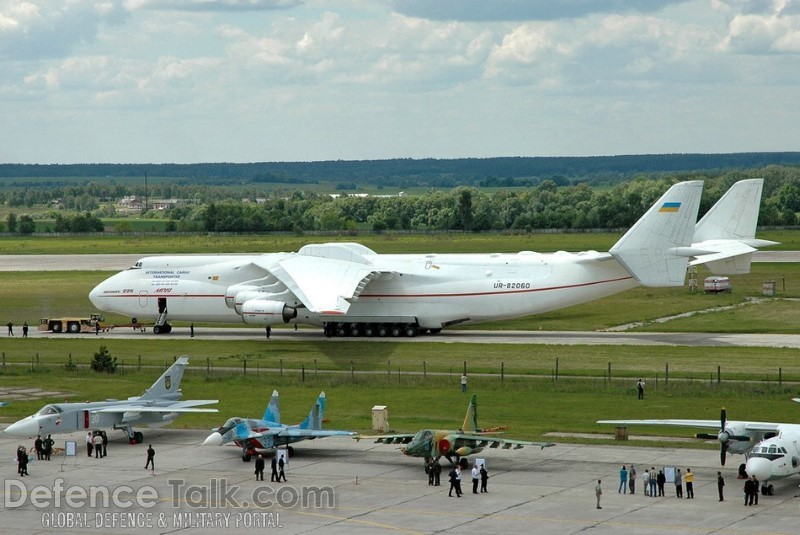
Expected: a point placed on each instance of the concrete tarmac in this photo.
(373, 489)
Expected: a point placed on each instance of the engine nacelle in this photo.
(267, 312)
(236, 293)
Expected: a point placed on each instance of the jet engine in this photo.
(267, 312)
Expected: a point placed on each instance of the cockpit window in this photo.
(49, 410)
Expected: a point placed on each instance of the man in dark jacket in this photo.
(260, 467)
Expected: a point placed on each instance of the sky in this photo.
(189, 81)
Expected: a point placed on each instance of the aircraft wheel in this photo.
(396, 330)
(245, 457)
(355, 330)
(411, 331)
(290, 451)
(341, 331)
(138, 437)
(156, 329)
(370, 330)
(383, 330)
(327, 331)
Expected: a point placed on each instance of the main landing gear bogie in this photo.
(371, 330)
(162, 329)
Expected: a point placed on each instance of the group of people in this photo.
(10, 327)
(751, 486)
(97, 443)
(479, 475)
(43, 447)
(278, 466)
(654, 482)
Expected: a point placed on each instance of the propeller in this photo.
(723, 436)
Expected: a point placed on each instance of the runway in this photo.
(310, 334)
(374, 490)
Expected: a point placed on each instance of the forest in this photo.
(93, 205)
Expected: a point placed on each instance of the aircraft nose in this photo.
(94, 296)
(759, 467)
(214, 439)
(26, 427)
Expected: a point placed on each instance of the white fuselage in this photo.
(776, 457)
(435, 289)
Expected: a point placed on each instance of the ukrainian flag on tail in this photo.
(670, 207)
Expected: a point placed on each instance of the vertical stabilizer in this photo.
(735, 215)
(470, 424)
(656, 249)
(273, 411)
(315, 416)
(168, 386)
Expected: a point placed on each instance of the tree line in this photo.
(543, 206)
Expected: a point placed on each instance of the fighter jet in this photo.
(453, 445)
(158, 405)
(350, 290)
(267, 434)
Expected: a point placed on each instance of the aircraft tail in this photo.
(273, 411)
(728, 230)
(315, 416)
(470, 424)
(168, 386)
(656, 249)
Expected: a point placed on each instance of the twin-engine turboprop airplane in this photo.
(351, 290)
(268, 434)
(771, 449)
(159, 405)
(453, 445)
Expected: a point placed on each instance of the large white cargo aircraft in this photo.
(351, 290)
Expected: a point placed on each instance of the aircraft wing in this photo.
(710, 424)
(314, 433)
(325, 286)
(495, 441)
(181, 406)
(387, 439)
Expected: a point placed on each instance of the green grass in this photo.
(382, 243)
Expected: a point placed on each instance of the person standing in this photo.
(661, 479)
(281, 473)
(484, 478)
(22, 461)
(598, 491)
(632, 479)
(89, 444)
(646, 482)
(476, 477)
(437, 473)
(37, 445)
(104, 440)
(464, 382)
(10, 328)
(452, 478)
(191, 330)
(429, 471)
(48, 444)
(25, 330)
(151, 458)
(623, 481)
(653, 481)
(260, 467)
(678, 483)
(273, 476)
(720, 484)
(97, 442)
(748, 492)
(640, 388)
(756, 485)
(689, 479)
(459, 492)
